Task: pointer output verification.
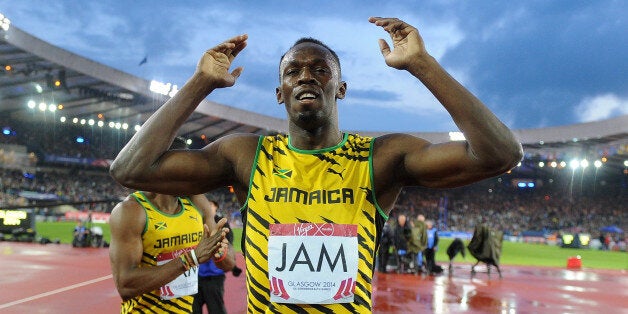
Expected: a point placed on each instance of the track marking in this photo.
(49, 293)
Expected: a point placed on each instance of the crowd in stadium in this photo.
(557, 205)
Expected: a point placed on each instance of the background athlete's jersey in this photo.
(165, 234)
(332, 185)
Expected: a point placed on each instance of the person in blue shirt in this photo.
(211, 279)
(432, 247)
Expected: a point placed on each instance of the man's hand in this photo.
(215, 62)
(213, 241)
(408, 46)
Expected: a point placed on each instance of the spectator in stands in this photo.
(316, 159)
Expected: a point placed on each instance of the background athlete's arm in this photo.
(125, 253)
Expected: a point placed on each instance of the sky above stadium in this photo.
(534, 63)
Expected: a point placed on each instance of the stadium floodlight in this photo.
(42, 106)
(625, 163)
(62, 119)
(38, 88)
(541, 164)
(553, 164)
(5, 23)
(75, 120)
(137, 127)
(563, 164)
(31, 104)
(125, 126)
(52, 108)
(574, 164)
(456, 136)
(584, 163)
(188, 141)
(101, 123)
(83, 121)
(597, 163)
(91, 121)
(112, 124)
(118, 125)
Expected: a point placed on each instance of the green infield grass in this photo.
(513, 253)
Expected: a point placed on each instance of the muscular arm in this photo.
(490, 147)
(145, 162)
(125, 253)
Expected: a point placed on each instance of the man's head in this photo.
(310, 83)
(313, 41)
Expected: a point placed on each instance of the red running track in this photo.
(56, 278)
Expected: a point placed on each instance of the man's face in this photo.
(402, 220)
(309, 85)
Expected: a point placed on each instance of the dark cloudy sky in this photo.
(534, 63)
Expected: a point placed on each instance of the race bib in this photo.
(312, 263)
(185, 284)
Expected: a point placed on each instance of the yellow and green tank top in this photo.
(327, 186)
(165, 235)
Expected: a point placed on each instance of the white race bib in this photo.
(312, 263)
(185, 284)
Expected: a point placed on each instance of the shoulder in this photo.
(128, 210)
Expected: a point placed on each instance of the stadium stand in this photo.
(65, 117)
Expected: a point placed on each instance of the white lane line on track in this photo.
(45, 294)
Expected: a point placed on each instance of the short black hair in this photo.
(314, 41)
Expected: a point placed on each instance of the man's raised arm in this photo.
(491, 148)
(145, 162)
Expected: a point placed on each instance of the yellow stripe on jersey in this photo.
(289, 185)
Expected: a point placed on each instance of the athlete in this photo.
(157, 243)
(315, 199)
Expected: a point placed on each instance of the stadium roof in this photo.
(31, 67)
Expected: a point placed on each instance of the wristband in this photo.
(222, 257)
(194, 259)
